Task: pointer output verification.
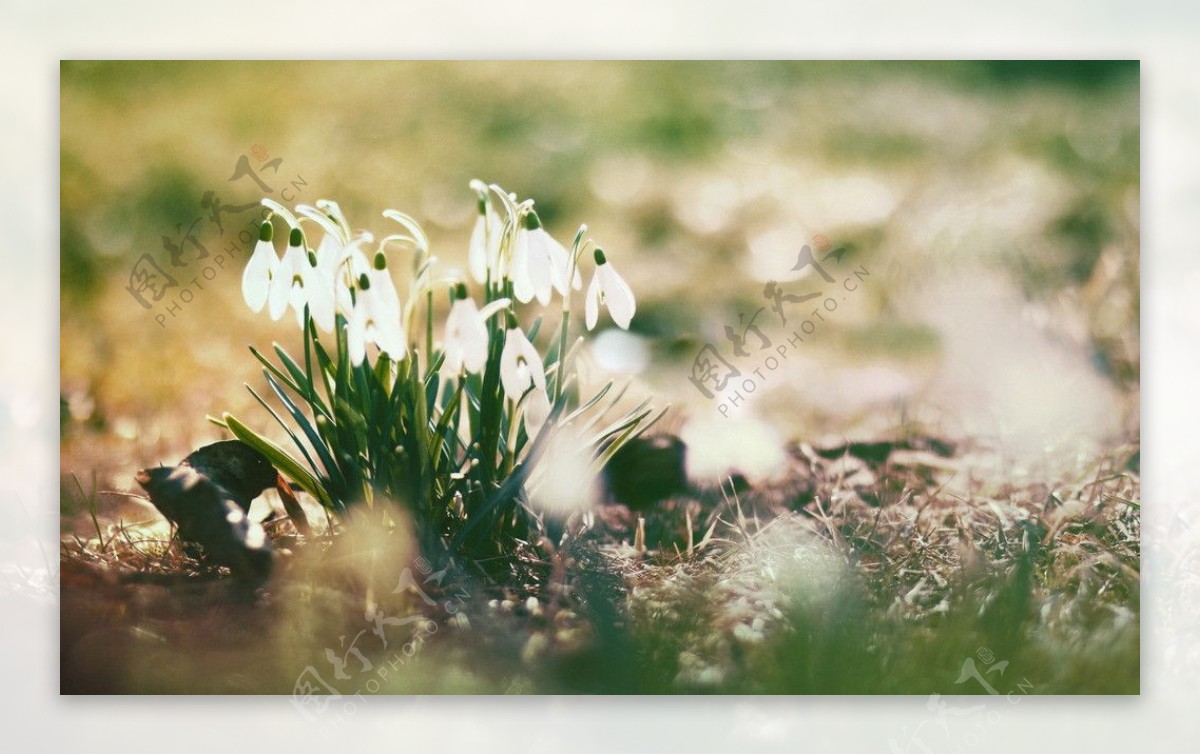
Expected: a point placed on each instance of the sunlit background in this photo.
(995, 207)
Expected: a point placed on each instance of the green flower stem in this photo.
(562, 352)
(429, 330)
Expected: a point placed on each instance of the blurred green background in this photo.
(996, 205)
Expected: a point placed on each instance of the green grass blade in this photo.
(286, 465)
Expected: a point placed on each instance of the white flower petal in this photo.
(280, 295)
(477, 252)
(541, 266)
(560, 261)
(328, 254)
(493, 307)
(522, 283)
(256, 278)
(466, 341)
(390, 338)
(494, 238)
(618, 296)
(521, 366)
(320, 300)
(514, 380)
(475, 345)
(383, 290)
(591, 302)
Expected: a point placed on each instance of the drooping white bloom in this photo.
(608, 286)
(316, 288)
(523, 376)
(263, 265)
(531, 275)
(466, 339)
(484, 247)
(376, 318)
(465, 342)
(521, 366)
(383, 287)
(287, 276)
(297, 283)
(539, 263)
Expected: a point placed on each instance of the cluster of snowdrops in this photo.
(454, 423)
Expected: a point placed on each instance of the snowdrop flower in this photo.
(383, 287)
(263, 264)
(316, 291)
(485, 244)
(298, 283)
(376, 317)
(466, 340)
(287, 275)
(521, 369)
(608, 286)
(539, 263)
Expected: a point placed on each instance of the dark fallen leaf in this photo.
(206, 514)
(243, 472)
(647, 470)
(877, 452)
